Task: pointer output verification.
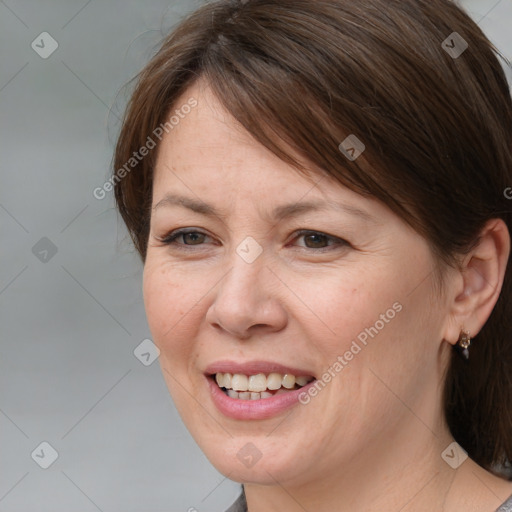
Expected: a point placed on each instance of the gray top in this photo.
(507, 506)
(240, 505)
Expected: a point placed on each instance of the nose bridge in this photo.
(247, 263)
(242, 299)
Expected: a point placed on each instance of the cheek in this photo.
(369, 328)
(169, 303)
(355, 311)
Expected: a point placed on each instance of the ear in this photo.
(478, 281)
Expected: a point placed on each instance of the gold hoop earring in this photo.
(462, 345)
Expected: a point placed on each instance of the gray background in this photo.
(70, 321)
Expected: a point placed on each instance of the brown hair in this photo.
(437, 127)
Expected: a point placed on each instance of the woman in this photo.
(318, 192)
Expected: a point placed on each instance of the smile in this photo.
(243, 404)
(259, 386)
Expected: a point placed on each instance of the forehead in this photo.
(208, 154)
(207, 131)
(208, 140)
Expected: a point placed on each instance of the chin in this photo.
(252, 461)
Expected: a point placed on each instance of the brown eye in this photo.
(318, 240)
(187, 237)
(315, 240)
(194, 237)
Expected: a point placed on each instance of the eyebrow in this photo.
(279, 213)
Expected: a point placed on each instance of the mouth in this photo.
(258, 386)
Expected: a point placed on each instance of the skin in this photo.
(372, 438)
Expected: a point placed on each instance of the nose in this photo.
(247, 301)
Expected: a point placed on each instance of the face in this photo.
(349, 302)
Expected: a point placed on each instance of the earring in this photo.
(462, 345)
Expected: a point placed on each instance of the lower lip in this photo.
(254, 409)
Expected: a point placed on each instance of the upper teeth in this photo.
(259, 382)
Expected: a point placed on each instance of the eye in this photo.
(313, 239)
(317, 240)
(187, 235)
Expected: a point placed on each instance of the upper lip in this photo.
(254, 367)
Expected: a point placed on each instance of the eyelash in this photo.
(170, 239)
